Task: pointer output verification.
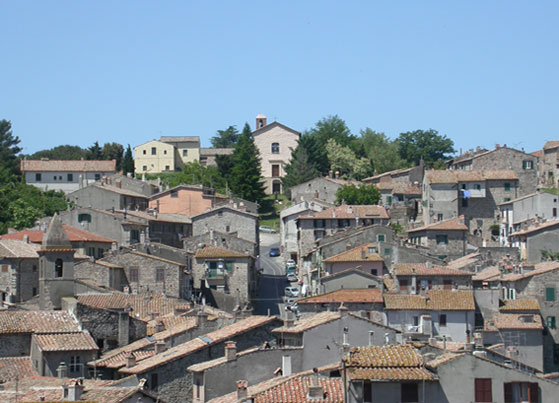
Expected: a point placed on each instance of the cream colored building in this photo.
(275, 142)
(168, 154)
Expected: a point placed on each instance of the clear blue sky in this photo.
(75, 72)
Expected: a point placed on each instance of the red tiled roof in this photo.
(296, 389)
(68, 165)
(540, 268)
(464, 261)
(514, 321)
(74, 234)
(360, 295)
(37, 322)
(66, 342)
(451, 224)
(551, 144)
(15, 367)
(422, 269)
(218, 252)
(348, 212)
(514, 305)
(438, 300)
(358, 254)
(399, 187)
(455, 176)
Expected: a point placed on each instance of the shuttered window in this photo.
(550, 294)
(483, 390)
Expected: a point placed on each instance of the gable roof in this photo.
(14, 248)
(551, 144)
(74, 235)
(351, 270)
(451, 224)
(546, 225)
(358, 254)
(346, 295)
(271, 126)
(68, 166)
(514, 305)
(224, 207)
(14, 322)
(348, 212)
(388, 173)
(455, 176)
(210, 252)
(79, 341)
(436, 300)
(513, 321)
(464, 261)
(178, 139)
(422, 269)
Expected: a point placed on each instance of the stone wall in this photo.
(15, 345)
(227, 240)
(227, 221)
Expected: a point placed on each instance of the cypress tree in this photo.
(128, 162)
(299, 169)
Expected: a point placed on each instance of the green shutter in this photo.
(380, 238)
(550, 322)
(550, 294)
(229, 266)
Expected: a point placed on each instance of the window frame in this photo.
(441, 239)
(275, 148)
(483, 390)
(38, 177)
(550, 294)
(409, 392)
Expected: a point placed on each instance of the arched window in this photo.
(275, 148)
(58, 268)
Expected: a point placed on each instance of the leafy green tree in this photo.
(9, 148)
(298, 170)
(225, 138)
(381, 151)
(113, 151)
(343, 159)
(246, 179)
(94, 152)
(225, 165)
(362, 195)
(128, 162)
(194, 174)
(426, 144)
(64, 152)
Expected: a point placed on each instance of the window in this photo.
(527, 164)
(477, 186)
(380, 237)
(166, 167)
(367, 392)
(507, 187)
(37, 177)
(154, 382)
(506, 199)
(184, 153)
(153, 150)
(554, 212)
(91, 252)
(464, 202)
(483, 390)
(521, 392)
(409, 392)
(442, 320)
(403, 284)
(145, 168)
(275, 170)
(97, 177)
(439, 217)
(144, 152)
(276, 187)
(58, 268)
(389, 200)
(84, 217)
(550, 294)
(227, 228)
(275, 148)
(174, 193)
(165, 152)
(133, 275)
(70, 177)
(387, 251)
(34, 291)
(447, 284)
(319, 223)
(374, 272)
(550, 321)
(442, 239)
(75, 365)
(160, 275)
(54, 178)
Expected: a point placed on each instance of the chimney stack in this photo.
(160, 347)
(286, 365)
(342, 310)
(242, 390)
(130, 361)
(201, 318)
(230, 351)
(363, 254)
(371, 337)
(75, 390)
(62, 370)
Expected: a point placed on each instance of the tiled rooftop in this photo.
(464, 261)
(399, 187)
(68, 166)
(79, 341)
(362, 253)
(539, 268)
(13, 248)
(452, 224)
(536, 227)
(15, 367)
(348, 212)
(551, 144)
(422, 269)
(456, 176)
(359, 295)
(439, 300)
(218, 252)
(74, 234)
(394, 362)
(514, 305)
(309, 322)
(37, 322)
(488, 274)
(514, 321)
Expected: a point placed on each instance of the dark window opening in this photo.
(58, 268)
(409, 392)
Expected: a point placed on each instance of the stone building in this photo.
(189, 200)
(364, 258)
(445, 239)
(319, 189)
(367, 302)
(221, 239)
(66, 176)
(548, 169)
(349, 279)
(168, 154)
(417, 278)
(413, 175)
(538, 241)
(103, 196)
(228, 220)
(502, 158)
(275, 143)
(209, 156)
(19, 277)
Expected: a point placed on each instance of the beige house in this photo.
(275, 142)
(167, 154)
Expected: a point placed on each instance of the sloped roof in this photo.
(79, 341)
(464, 261)
(514, 321)
(422, 269)
(540, 268)
(399, 187)
(359, 295)
(391, 363)
(437, 300)
(74, 235)
(309, 322)
(12, 368)
(348, 212)
(55, 237)
(487, 274)
(114, 189)
(176, 139)
(389, 173)
(68, 166)
(37, 322)
(358, 254)
(513, 305)
(296, 389)
(218, 252)
(14, 248)
(206, 152)
(536, 227)
(455, 176)
(451, 224)
(272, 125)
(551, 144)
(351, 270)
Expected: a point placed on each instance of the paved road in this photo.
(272, 281)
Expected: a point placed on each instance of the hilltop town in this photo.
(290, 275)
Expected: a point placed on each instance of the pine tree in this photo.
(246, 179)
(128, 162)
(299, 169)
(94, 152)
(9, 148)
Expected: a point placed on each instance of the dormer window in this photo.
(275, 148)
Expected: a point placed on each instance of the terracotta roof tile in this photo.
(439, 300)
(399, 187)
(451, 224)
(540, 268)
(218, 252)
(491, 273)
(68, 165)
(513, 305)
(296, 390)
(15, 367)
(464, 261)
(74, 235)
(456, 176)
(389, 173)
(66, 342)
(348, 212)
(362, 253)
(514, 321)
(37, 322)
(355, 270)
(441, 359)
(358, 295)
(14, 248)
(536, 227)
(422, 269)
(551, 144)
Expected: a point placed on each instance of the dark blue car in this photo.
(274, 252)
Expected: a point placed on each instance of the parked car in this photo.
(291, 277)
(263, 228)
(290, 262)
(291, 292)
(274, 252)
(290, 300)
(290, 269)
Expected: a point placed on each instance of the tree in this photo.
(225, 164)
(225, 138)
(299, 169)
(128, 162)
(344, 161)
(246, 179)
(64, 152)
(9, 148)
(381, 151)
(426, 144)
(113, 151)
(94, 152)
(362, 195)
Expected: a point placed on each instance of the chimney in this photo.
(242, 390)
(201, 318)
(347, 246)
(75, 390)
(230, 351)
(286, 365)
(315, 392)
(160, 347)
(371, 337)
(26, 238)
(342, 310)
(130, 360)
(289, 320)
(114, 247)
(62, 370)
(159, 326)
(363, 254)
